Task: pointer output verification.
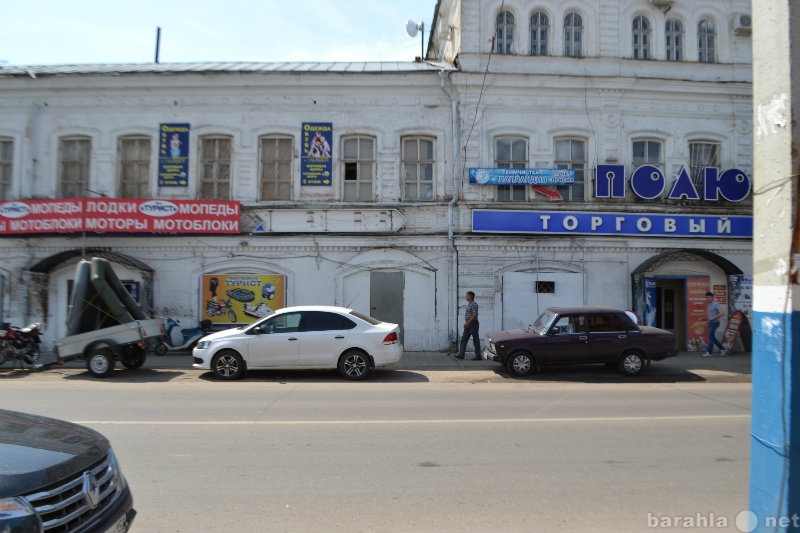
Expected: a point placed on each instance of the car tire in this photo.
(632, 363)
(134, 360)
(521, 364)
(355, 365)
(227, 364)
(100, 362)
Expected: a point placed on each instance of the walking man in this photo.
(713, 314)
(470, 328)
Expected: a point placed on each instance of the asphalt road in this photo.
(310, 452)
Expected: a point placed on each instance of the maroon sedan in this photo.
(580, 335)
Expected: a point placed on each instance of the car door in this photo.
(607, 337)
(275, 342)
(567, 340)
(323, 338)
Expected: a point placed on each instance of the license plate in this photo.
(120, 526)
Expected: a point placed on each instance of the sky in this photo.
(58, 32)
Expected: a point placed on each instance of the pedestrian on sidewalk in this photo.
(470, 328)
(713, 316)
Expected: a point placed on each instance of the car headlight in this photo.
(201, 345)
(16, 514)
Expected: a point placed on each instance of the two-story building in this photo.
(544, 152)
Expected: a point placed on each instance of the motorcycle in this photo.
(20, 344)
(220, 308)
(187, 339)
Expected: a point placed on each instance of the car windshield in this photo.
(543, 322)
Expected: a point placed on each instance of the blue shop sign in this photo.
(522, 176)
(619, 224)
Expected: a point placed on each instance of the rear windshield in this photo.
(365, 318)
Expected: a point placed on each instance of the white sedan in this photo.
(302, 337)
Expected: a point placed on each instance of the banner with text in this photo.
(173, 155)
(116, 215)
(522, 176)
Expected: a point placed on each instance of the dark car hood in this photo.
(511, 334)
(35, 451)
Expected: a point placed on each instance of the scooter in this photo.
(21, 344)
(188, 338)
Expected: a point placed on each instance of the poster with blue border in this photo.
(173, 155)
(316, 161)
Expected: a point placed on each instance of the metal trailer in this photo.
(128, 342)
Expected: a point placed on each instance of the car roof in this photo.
(333, 308)
(584, 309)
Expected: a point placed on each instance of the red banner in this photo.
(117, 215)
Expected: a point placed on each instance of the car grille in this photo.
(65, 506)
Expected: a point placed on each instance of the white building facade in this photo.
(390, 222)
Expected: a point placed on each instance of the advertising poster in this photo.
(316, 161)
(173, 155)
(231, 300)
(650, 303)
(742, 296)
(696, 309)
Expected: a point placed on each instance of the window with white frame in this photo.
(6, 168)
(511, 152)
(706, 41)
(641, 38)
(276, 168)
(702, 154)
(648, 152)
(504, 33)
(573, 35)
(540, 33)
(134, 166)
(74, 155)
(418, 168)
(215, 160)
(571, 153)
(673, 33)
(358, 169)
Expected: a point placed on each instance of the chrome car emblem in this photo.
(91, 490)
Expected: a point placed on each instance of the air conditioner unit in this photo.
(662, 4)
(742, 24)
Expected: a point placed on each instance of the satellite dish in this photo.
(412, 28)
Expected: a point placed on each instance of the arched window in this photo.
(511, 152)
(540, 32)
(504, 33)
(419, 163)
(215, 174)
(641, 38)
(673, 33)
(6, 167)
(358, 169)
(573, 35)
(707, 41)
(276, 168)
(571, 153)
(74, 154)
(134, 166)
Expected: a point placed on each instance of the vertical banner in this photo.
(173, 155)
(742, 297)
(316, 162)
(650, 303)
(696, 310)
(235, 299)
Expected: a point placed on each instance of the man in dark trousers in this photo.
(470, 328)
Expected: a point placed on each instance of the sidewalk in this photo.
(686, 366)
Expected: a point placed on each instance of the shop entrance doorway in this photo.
(670, 307)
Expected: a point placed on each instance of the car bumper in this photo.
(491, 356)
(389, 357)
